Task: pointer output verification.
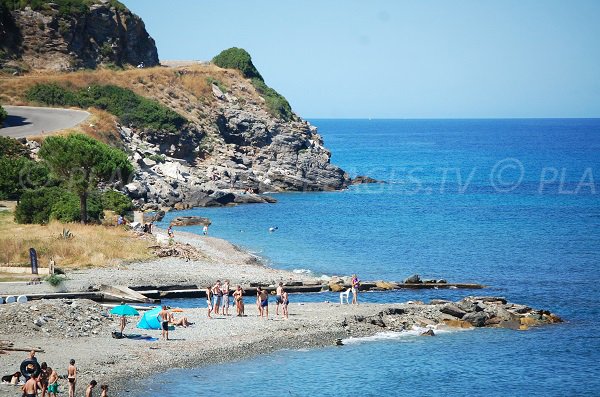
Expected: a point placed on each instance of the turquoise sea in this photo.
(513, 204)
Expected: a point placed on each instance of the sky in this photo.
(400, 59)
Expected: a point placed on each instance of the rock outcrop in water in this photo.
(473, 311)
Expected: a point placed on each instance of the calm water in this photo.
(513, 204)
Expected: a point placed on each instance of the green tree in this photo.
(83, 162)
(237, 58)
(18, 172)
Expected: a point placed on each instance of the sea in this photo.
(513, 204)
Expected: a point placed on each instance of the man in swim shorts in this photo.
(264, 303)
(217, 294)
(163, 316)
(30, 388)
(225, 298)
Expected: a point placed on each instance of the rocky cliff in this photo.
(242, 147)
(69, 35)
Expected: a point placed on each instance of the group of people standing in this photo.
(42, 378)
(218, 300)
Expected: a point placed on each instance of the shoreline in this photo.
(124, 363)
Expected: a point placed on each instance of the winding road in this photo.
(23, 121)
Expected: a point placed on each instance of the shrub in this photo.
(41, 205)
(130, 108)
(35, 205)
(12, 148)
(54, 279)
(67, 208)
(117, 202)
(276, 103)
(159, 158)
(237, 58)
(51, 94)
(3, 115)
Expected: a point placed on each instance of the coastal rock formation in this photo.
(82, 35)
(190, 221)
(483, 312)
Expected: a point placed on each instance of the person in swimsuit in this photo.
(355, 285)
(225, 298)
(238, 297)
(30, 388)
(163, 316)
(72, 377)
(183, 321)
(209, 300)
(284, 304)
(263, 296)
(52, 383)
(278, 299)
(90, 388)
(43, 378)
(217, 295)
(104, 390)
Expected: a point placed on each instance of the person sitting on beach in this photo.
(225, 298)
(13, 379)
(72, 377)
(284, 304)
(90, 388)
(183, 321)
(217, 294)
(30, 388)
(170, 231)
(278, 299)
(163, 316)
(208, 291)
(238, 297)
(52, 383)
(104, 390)
(263, 297)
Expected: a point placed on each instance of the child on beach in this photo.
(163, 317)
(72, 377)
(104, 390)
(263, 306)
(52, 383)
(90, 388)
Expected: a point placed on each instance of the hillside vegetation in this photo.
(238, 58)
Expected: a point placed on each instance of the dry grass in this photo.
(91, 246)
(147, 82)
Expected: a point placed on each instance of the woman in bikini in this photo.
(239, 301)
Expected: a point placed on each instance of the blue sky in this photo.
(400, 59)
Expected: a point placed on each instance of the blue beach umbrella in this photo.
(124, 310)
